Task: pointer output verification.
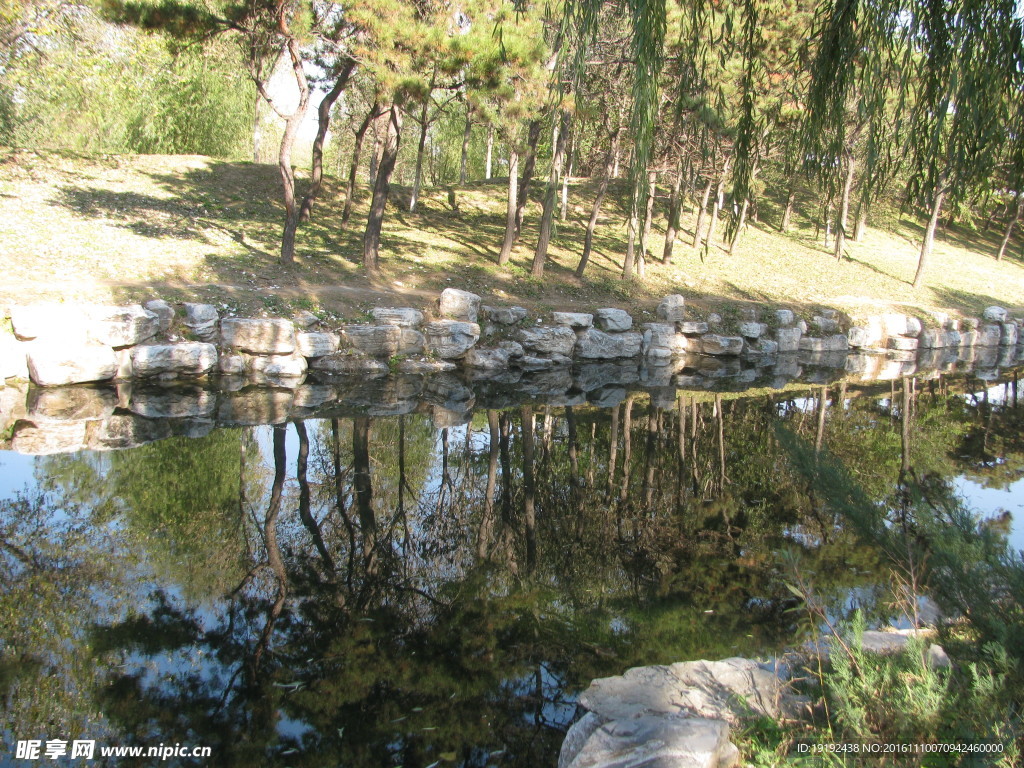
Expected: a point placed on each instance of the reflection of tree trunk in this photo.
(305, 514)
(529, 489)
(574, 464)
(627, 447)
(720, 418)
(820, 435)
(905, 432)
(273, 549)
(652, 441)
(339, 499)
(487, 522)
(364, 491)
(613, 452)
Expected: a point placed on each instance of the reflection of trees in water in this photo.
(393, 593)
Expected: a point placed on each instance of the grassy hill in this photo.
(120, 228)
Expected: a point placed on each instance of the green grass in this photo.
(121, 228)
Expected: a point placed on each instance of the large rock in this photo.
(411, 342)
(459, 305)
(671, 309)
(593, 344)
(611, 319)
(903, 343)
(202, 320)
(788, 339)
(504, 315)
(692, 327)
(13, 360)
(990, 335)
(661, 341)
(258, 336)
(373, 340)
(190, 358)
(995, 314)
(310, 344)
(1010, 334)
(670, 741)
(164, 312)
(835, 343)
(451, 339)
(277, 366)
(49, 321)
(122, 326)
(713, 344)
(545, 340)
(784, 317)
(488, 359)
(751, 330)
(575, 320)
(404, 317)
(53, 364)
(728, 690)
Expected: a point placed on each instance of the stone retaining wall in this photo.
(55, 345)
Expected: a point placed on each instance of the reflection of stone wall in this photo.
(56, 345)
(148, 371)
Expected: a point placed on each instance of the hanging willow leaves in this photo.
(648, 53)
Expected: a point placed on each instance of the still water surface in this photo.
(368, 591)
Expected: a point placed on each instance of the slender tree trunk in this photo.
(529, 162)
(354, 168)
(645, 233)
(570, 153)
(627, 263)
(379, 139)
(739, 226)
(1009, 228)
(844, 207)
(929, 234)
(719, 202)
(420, 147)
(465, 144)
(787, 212)
(363, 486)
(588, 242)
(701, 213)
(487, 521)
(672, 227)
(490, 150)
(513, 207)
(284, 157)
(862, 221)
(323, 124)
(550, 198)
(371, 238)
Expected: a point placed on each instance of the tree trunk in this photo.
(862, 221)
(418, 177)
(739, 226)
(719, 202)
(513, 207)
(787, 212)
(529, 488)
(1009, 228)
(354, 168)
(701, 214)
(645, 233)
(570, 154)
(672, 227)
(627, 263)
(588, 242)
(550, 198)
(371, 238)
(379, 138)
(465, 144)
(529, 162)
(323, 123)
(843, 214)
(284, 157)
(929, 235)
(490, 150)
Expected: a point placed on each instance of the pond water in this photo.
(365, 590)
